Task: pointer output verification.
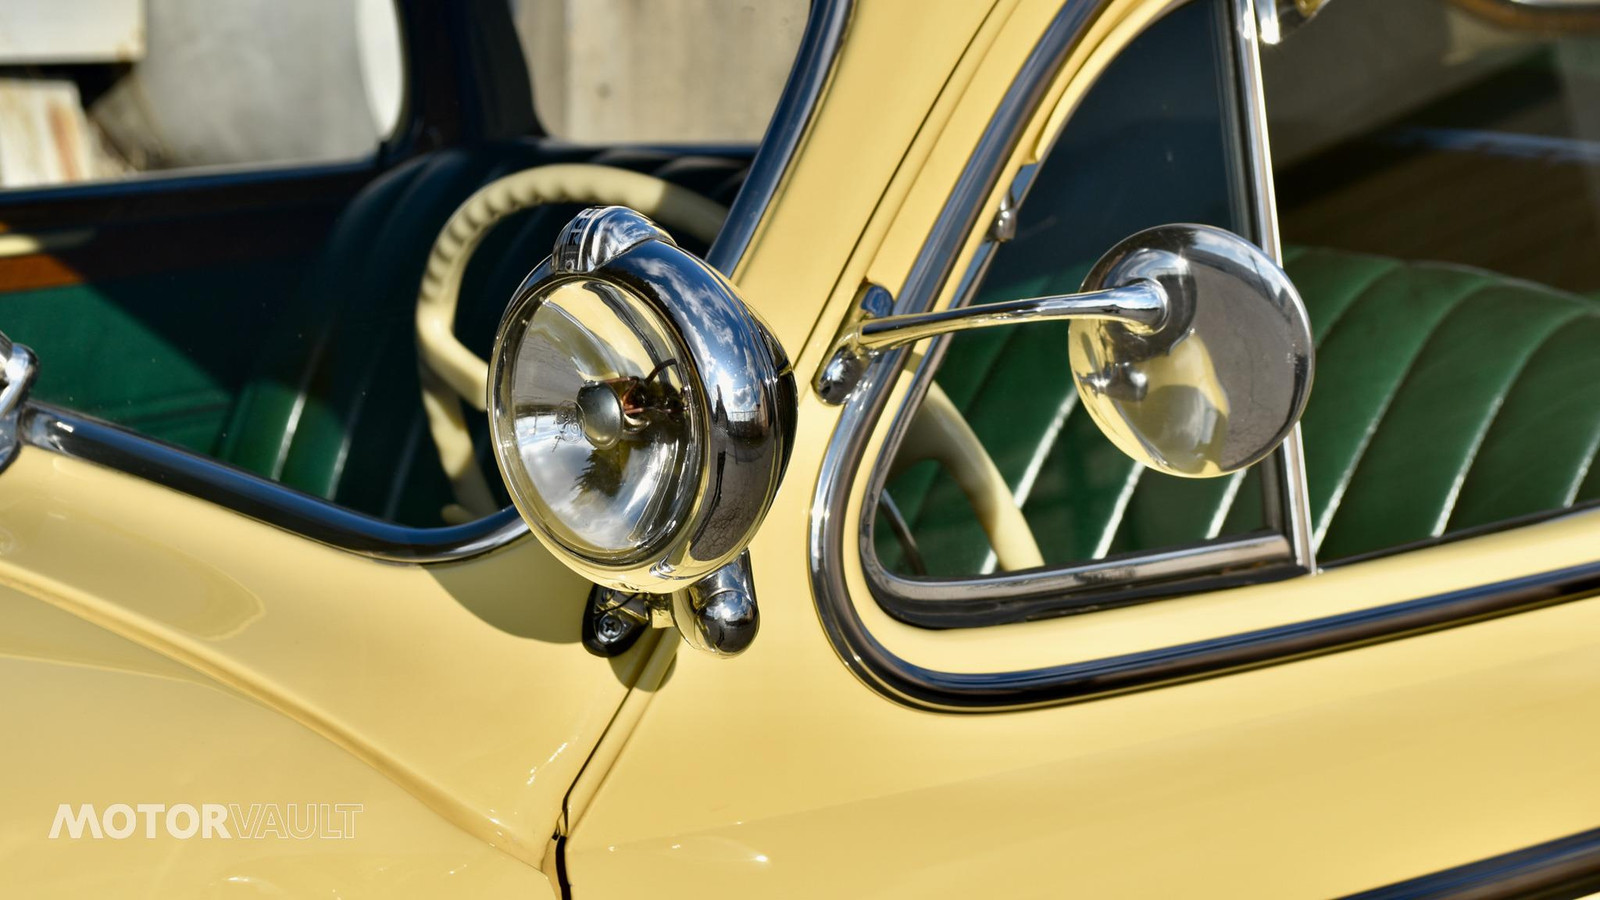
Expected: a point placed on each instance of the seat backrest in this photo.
(1445, 398)
(334, 405)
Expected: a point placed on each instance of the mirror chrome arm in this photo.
(1189, 347)
(1142, 306)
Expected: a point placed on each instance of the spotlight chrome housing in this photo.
(641, 415)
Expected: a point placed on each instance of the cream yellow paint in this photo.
(94, 718)
(462, 686)
(159, 648)
(779, 773)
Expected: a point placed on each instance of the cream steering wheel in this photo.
(450, 372)
(939, 432)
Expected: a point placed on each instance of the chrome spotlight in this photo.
(642, 418)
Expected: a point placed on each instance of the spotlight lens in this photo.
(596, 423)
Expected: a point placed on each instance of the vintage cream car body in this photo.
(179, 630)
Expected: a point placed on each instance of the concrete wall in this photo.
(276, 81)
(658, 70)
(252, 81)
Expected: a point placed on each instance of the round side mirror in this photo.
(1220, 382)
(1189, 347)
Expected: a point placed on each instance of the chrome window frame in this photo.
(84, 437)
(903, 681)
(1281, 550)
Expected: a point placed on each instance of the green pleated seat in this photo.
(1445, 398)
(333, 407)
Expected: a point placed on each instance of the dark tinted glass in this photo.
(1438, 174)
(1155, 141)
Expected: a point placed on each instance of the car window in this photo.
(1155, 141)
(165, 85)
(669, 71)
(1438, 183)
(265, 318)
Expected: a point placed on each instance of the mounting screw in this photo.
(613, 621)
(609, 628)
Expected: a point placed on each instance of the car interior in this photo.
(267, 319)
(1437, 181)
(1437, 197)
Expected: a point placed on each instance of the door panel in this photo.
(1307, 779)
(462, 685)
(782, 773)
(97, 718)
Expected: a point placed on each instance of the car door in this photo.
(251, 641)
(1185, 697)
(214, 682)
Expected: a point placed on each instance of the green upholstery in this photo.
(1155, 132)
(1445, 398)
(302, 369)
(336, 365)
(143, 350)
(334, 407)
(1087, 499)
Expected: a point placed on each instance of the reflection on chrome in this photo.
(1189, 347)
(601, 421)
(641, 417)
(1225, 378)
(1183, 418)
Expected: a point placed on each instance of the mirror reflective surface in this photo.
(1220, 383)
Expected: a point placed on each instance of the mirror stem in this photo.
(1141, 306)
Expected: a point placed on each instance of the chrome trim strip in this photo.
(1566, 867)
(1289, 463)
(814, 60)
(89, 439)
(1547, 149)
(923, 688)
(1103, 583)
(196, 178)
(18, 369)
(917, 686)
(84, 437)
(869, 660)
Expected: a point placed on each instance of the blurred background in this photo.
(95, 89)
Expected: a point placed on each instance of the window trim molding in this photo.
(905, 682)
(791, 120)
(1280, 551)
(960, 692)
(1565, 867)
(920, 687)
(92, 440)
